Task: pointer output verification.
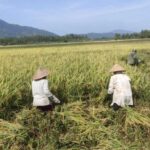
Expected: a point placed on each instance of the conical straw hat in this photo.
(117, 68)
(40, 73)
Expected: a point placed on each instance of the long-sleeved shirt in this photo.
(40, 92)
(120, 87)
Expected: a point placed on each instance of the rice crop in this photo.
(79, 76)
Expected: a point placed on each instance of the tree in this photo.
(117, 36)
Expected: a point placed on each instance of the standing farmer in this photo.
(41, 95)
(120, 87)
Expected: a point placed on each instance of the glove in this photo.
(55, 99)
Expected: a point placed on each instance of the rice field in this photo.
(79, 76)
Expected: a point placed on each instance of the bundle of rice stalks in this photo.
(85, 128)
(136, 129)
(40, 128)
(11, 133)
(135, 118)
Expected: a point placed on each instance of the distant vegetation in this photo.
(42, 39)
(69, 38)
(12, 34)
(142, 34)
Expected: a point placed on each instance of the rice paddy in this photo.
(79, 76)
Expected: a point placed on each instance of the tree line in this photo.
(67, 38)
(142, 34)
(42, 39)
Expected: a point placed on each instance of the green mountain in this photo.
(13, 30)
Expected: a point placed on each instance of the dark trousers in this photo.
(116, 107)
(45, 108)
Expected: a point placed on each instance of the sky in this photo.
(78, 16)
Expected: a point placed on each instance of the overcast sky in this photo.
(78, 16)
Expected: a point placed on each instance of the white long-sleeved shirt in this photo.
(40, 92)
(120, 87)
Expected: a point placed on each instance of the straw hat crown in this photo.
(40, 73)
(117, 68)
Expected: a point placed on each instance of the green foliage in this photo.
(142, 34)
(42, 39)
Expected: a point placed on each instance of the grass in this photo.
(79, 75)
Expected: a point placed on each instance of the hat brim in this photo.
(117, 68)
(40, 74)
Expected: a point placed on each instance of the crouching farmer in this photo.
(133, 59)
(42, 97)
(120, 87)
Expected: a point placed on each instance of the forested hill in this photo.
(12, 30)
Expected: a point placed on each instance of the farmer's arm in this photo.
(46, 89)
(49, 94)
(111, 86)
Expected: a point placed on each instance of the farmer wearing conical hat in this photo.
(41, 95)
(120, 87)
